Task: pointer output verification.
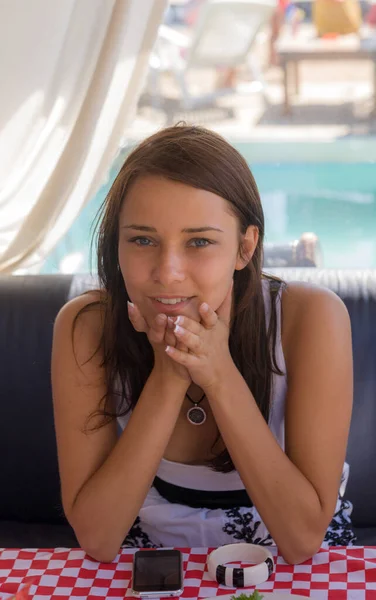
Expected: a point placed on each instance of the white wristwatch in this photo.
(259, 572)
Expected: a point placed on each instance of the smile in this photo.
(170, 305)
(170, 300)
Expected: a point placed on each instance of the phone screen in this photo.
(157, 570)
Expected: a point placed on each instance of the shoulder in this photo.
(299, 296)
(81, 320)
(86, 310)
(308, 311)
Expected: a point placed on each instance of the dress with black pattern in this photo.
(168, 520)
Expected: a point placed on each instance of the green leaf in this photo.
(255, 596)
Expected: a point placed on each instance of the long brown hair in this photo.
(202, 159)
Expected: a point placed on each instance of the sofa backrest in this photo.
(30, 485)
(28, 462)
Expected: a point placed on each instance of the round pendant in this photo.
(196, 415)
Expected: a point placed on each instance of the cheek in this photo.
(214, 278)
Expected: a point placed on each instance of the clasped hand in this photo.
(207, 342)
(201, 347)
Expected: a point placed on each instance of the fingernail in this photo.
(170, 321)
(178, 329)
(204, 306)
(130, 305)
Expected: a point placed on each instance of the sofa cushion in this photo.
(365, 536)
(14, 534)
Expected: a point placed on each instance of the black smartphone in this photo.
(157, 573)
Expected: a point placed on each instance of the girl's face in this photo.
(177, 242)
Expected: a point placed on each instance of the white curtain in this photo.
(71, 72)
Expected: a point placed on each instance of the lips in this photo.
(169, 308)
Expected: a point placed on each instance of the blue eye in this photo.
(207, 242)
(138, 241)
(196, 242)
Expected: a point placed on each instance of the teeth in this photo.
(171, 300)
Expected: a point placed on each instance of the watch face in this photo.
(157, 571)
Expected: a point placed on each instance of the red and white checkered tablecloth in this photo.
(333, 574)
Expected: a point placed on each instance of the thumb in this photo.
(136, 318)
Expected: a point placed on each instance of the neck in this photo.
(195, 392)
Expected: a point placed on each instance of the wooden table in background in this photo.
(306, 46)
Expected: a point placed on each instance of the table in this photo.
(333, 574)
(305, 45)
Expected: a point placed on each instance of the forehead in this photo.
(161, 200)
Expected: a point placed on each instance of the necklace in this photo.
(196, 415)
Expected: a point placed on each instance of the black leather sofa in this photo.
(30, 507)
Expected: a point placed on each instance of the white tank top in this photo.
(201, 477)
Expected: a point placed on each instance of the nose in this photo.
(169, 268)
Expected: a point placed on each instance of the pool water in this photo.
(335, 200)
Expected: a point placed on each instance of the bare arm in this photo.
(104, 480)
(296, 492)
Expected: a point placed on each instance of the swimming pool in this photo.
(326, 188)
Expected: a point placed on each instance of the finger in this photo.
(170, 323)
(181, 346)
(136, 318)
(183, 358)
(224, 311)
(158, 329)
(191, 340)
(187, 323)
(170, 335)
(169, 338)
(208, 316)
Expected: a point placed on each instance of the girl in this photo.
(232, 390)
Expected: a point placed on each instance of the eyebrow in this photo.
(185, 230)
